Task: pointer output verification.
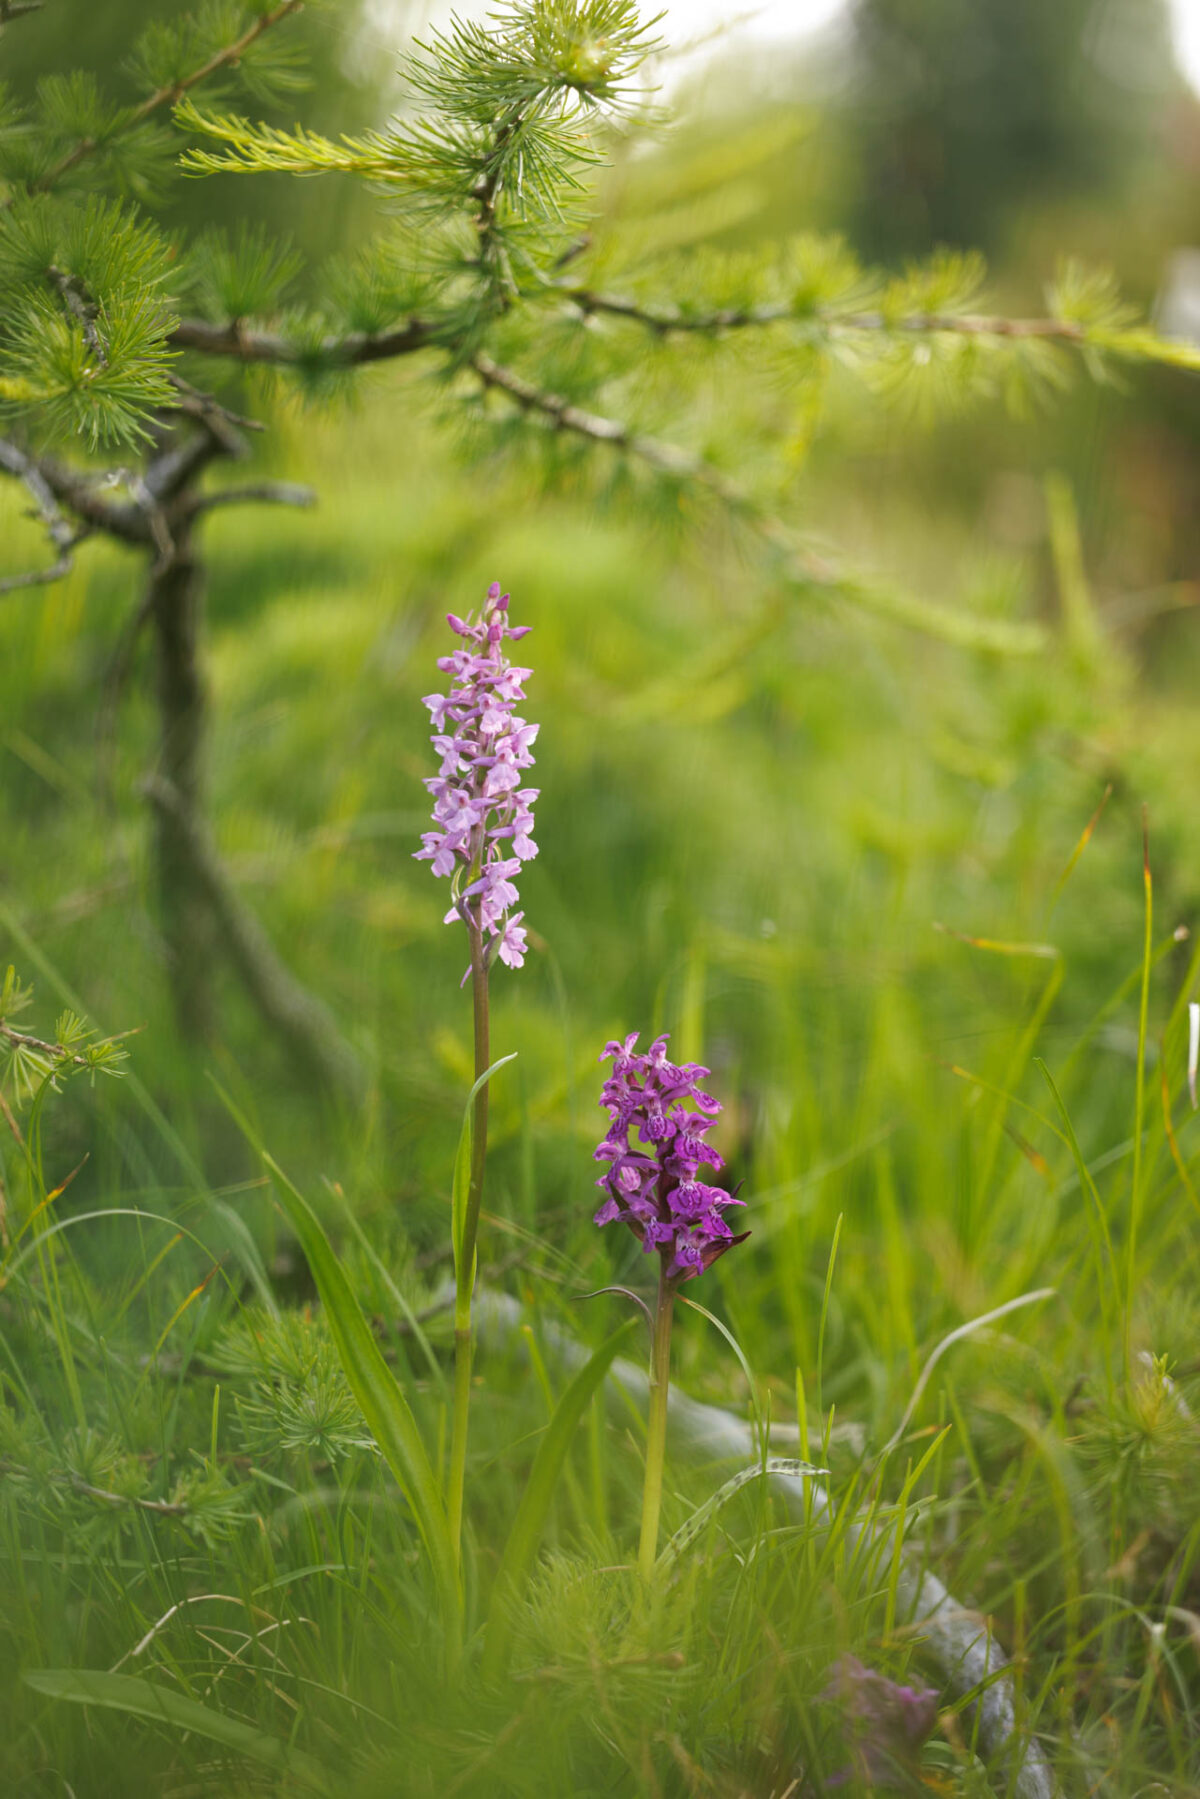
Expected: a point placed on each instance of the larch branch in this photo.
(352, 350)
(799, 565)
(665, 320)
(168, 95)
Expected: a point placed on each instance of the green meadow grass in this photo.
(754, 817)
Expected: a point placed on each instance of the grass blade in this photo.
(145, 1699)
(530, 1521)
(378, 1392)
(760, 1430)
(687, 1533)
(373, 1384)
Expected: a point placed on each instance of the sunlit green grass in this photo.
(752, 817)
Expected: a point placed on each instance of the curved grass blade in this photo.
(145, 1699)
(760, 1429)
(530, 1521)
(687, 1533)
(379, 1393)
(1088, 1187)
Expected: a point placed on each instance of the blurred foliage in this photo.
(329, 62)
(959, 109)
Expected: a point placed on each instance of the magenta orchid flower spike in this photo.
(483, 816)
(656, 1150)
(483, 832)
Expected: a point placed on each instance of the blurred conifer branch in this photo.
(28, 1062)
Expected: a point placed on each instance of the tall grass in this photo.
(751, 821)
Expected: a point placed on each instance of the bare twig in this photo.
(39, 577)
(170, 94)
(667, 458)
(87, 497)
(61, 533)
(267, 493)
(242, 345)
(206, 409)
(165, 1508)
(16, 9)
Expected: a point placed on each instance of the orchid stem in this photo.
(656, 1430)
(465, 1274)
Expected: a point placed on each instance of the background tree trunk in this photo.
(175, 605)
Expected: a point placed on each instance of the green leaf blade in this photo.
(530, 1521)
(378, 1392)
(162, 1705)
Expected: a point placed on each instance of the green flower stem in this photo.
(458, 1437)
(465, 1272)
(656, 1432)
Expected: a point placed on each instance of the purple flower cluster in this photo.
(652, 1183)
(483, 815)
(886, 1723)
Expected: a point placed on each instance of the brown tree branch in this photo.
(54, 1052)
(208, 411)
(58, 1052)
(913, 324)
(140, 521)
(356, 348)
(666, 458)
(264, 493)
(39, 577)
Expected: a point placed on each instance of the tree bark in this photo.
(174, 605)
(203, 918)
